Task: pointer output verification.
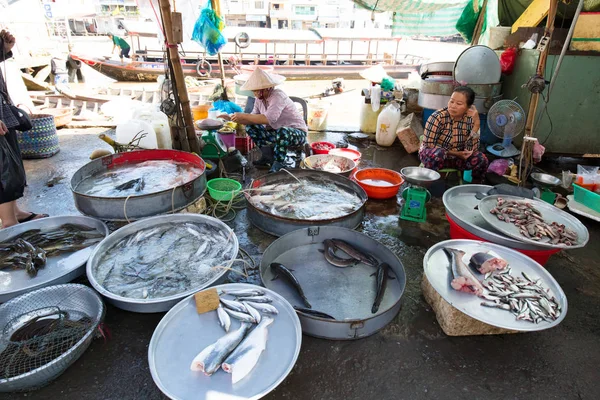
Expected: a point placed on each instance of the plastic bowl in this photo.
(324, 162)
(375, 191)
(324, 144)
(349, 153)
(458, 232)
(223, 189)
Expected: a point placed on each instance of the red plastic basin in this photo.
(375, 191)
(328, 145)
(541, 256)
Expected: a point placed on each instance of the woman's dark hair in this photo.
(468, 92)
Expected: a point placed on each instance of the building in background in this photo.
(252, 13)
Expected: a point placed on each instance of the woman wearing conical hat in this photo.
(275, 123)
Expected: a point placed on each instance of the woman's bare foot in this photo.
(24, 216)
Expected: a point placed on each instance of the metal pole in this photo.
(216, 6)
(565, 46)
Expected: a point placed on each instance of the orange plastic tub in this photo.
(379, 183)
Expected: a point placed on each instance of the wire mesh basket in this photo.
(43, 332)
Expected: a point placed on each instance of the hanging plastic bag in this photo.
(468, 20)
(387, 123)
(207, 31)
(12, 175)
(507, 60)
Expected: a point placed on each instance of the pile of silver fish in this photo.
(139, 179)
(525, 297)
(30, 249)
(531, 224)
(306, 200)
(164, 260)
(238, 351)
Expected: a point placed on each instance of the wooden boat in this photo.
(292, 53)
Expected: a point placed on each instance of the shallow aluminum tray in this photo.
(344, 293)
(549, 213)
(70, 297)
(183, 333)
(578, 208)
(461, 203)
(60, 269)
(437, 270)
(137, 207)
(278, 226)
(165, 303)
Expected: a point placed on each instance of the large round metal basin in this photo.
(146, 205)
(278, 226)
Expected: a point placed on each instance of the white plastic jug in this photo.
(387, 122)
(163, 134)
(126, 131)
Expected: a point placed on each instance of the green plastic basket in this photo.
(223, 189)
(586, 197)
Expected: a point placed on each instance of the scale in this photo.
(545, 183)
(416, 195)
(214, 147)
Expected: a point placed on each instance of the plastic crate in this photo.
(586, 197)
(244, 144)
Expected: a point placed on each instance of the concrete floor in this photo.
(411, 358)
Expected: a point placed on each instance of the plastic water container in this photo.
(387, 122)
(318, 112)
(368, 119)
(127, 131)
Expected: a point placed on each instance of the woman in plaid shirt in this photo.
(451, 137)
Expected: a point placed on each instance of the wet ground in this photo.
(411, 358)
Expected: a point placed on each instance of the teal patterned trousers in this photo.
(281, 138)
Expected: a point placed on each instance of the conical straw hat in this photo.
(376, 73)
(262, 80)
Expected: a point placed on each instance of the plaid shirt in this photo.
(442, 131)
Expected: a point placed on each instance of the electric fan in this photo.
(506, 120)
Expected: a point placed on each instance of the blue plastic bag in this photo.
(207, 31)
(226, 106)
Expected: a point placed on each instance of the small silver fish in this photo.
(264, 308)
(253, 312)
(233, 305)
(241, 316)
(224, 319)
(244, 292)
(255, 299)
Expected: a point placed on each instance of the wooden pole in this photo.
(479, 25)
(192, 143)
(533, 101)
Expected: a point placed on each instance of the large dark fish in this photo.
(485, 263)
(381, 281)
(287, 274)
(333, 259)
(314, 313)
(463, 279)
(354, 252)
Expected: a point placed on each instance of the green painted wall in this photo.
(574, 104)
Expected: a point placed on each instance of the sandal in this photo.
(31, 217)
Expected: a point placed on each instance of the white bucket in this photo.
(317, 115)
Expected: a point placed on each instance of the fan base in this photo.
(503, 151)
